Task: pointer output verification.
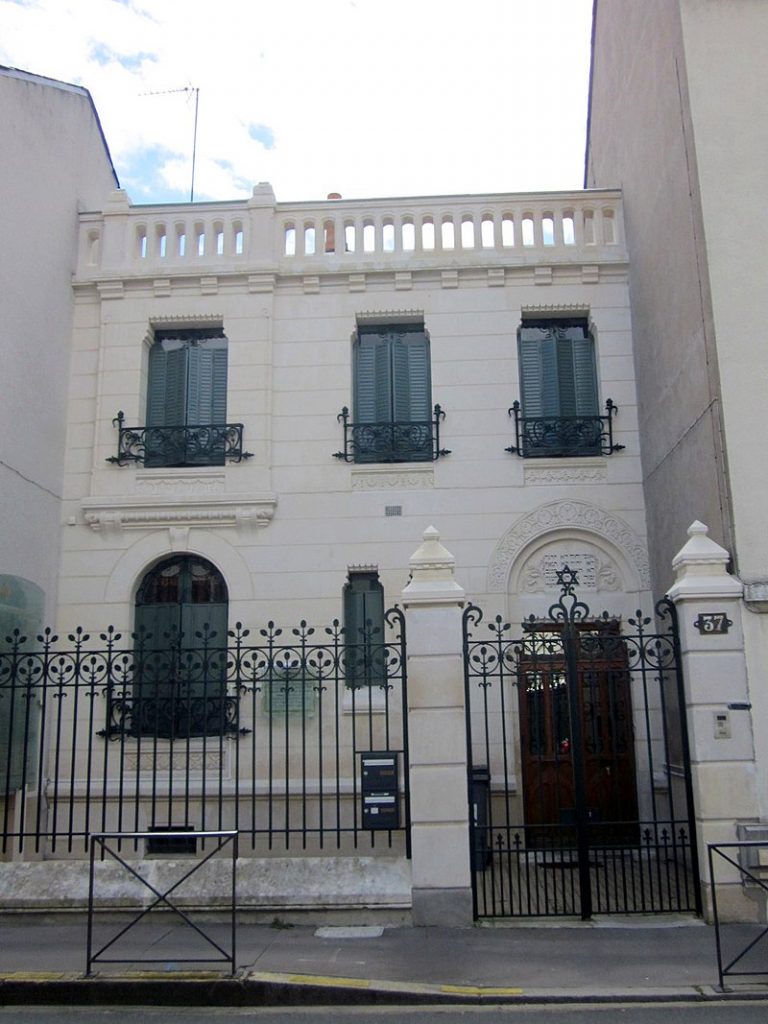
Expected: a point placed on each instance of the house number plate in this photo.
(712, 623)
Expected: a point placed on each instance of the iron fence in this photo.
(579, 771)
(264, 735)
(746, 958)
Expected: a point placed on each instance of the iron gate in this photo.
(579, 771)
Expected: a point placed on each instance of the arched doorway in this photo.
(181, 650)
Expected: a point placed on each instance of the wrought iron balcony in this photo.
(200, 445)
(540, 437)
(417, 441)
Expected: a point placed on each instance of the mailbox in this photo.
(381, 803)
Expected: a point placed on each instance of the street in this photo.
(726, 1012)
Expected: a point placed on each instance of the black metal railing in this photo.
(563, 436)
(417, 441)
(210, 444)
(741, 960)
(264, 736)
(604, 821)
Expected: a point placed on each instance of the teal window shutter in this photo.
(392, 387)
(187, 387)
(364, 630)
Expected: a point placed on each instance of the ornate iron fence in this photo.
(557, 436)
(264, 735)
(580, 782)
(416, 441)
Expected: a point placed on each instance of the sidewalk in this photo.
(43, 960)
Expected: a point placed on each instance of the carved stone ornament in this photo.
(389, 480)
(566, 515)
(112, 517)
(571, 474)
(539, 574)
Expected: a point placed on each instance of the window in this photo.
(392, 395)
(187, 399)
(558, 386)
(365, 653)
(179, 686)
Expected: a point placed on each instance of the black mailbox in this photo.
(381, 803)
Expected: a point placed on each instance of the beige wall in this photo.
(640, 141)
(54, 164)
(677, 121)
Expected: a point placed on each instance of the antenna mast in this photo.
(186, 89)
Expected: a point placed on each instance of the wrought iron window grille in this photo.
(541, 437)
(417, 441)
(208, 444)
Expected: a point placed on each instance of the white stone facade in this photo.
(284, 526)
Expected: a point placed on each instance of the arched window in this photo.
(181, 651)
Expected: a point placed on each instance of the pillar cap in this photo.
(701, 568)
(432, 572)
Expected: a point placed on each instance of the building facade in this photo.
(676, 123)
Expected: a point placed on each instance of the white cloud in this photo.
(364, 97)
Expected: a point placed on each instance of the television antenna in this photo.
(188, 89)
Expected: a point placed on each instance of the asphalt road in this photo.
(735, 1012)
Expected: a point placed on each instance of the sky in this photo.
(360, 97)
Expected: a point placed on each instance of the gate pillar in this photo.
(433, 602)
(708, 602)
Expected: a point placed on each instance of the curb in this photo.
(270, 989)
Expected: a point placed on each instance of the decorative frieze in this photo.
(180, 484)
(542, 275)
(566, 515)
(392, 480)
(571, 474)
(114, 516)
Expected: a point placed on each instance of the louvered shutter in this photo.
(206, 403)
(584, 377)
(531, 374)
(371, 380)
(364, 630)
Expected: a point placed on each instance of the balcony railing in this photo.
(541, 437)
(417, 441)
(208, 444)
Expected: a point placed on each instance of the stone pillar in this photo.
(708, 602)
(433, 603)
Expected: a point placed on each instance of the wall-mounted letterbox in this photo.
(381, 805)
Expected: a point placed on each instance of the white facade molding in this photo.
(114, 516)
(566, 516)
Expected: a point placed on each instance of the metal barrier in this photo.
(748, 875)
(100, 840)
